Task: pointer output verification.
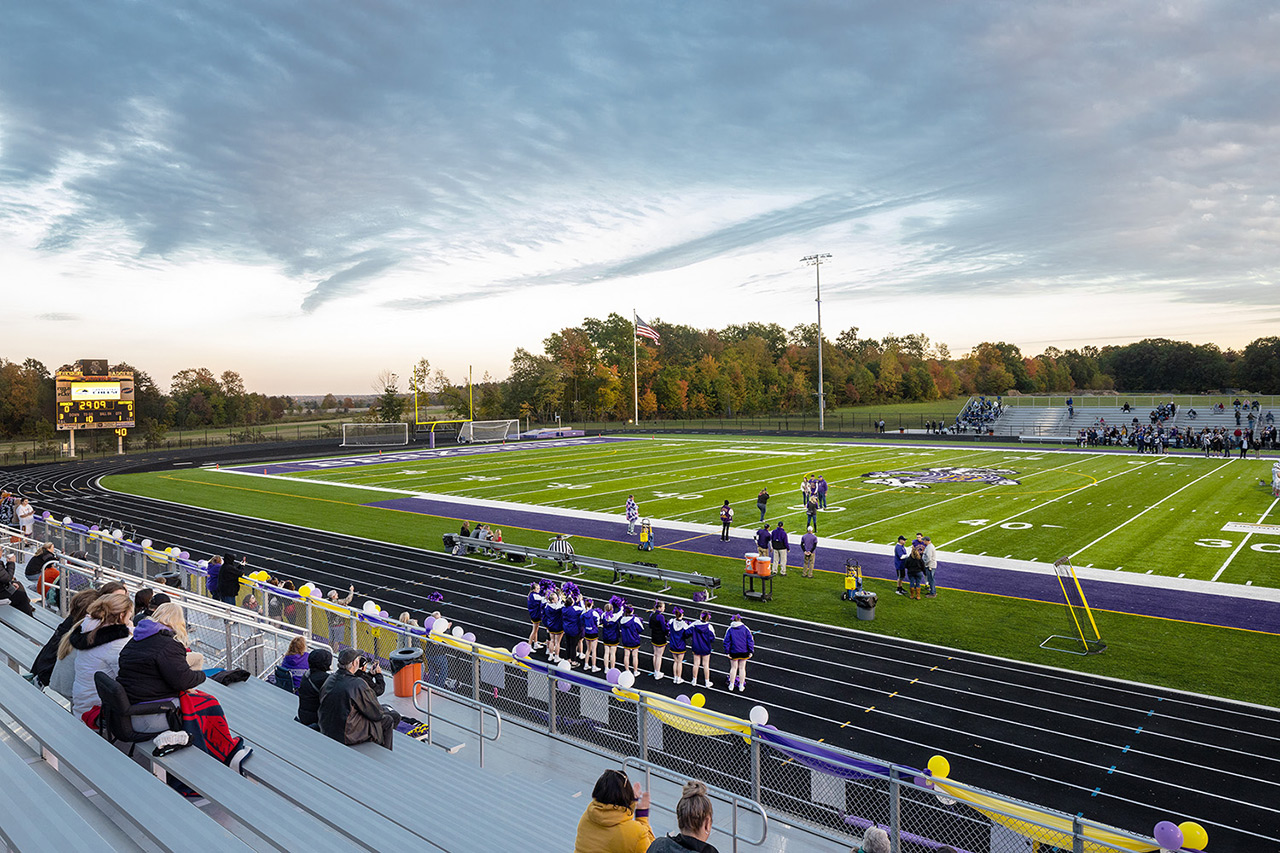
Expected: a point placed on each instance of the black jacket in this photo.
(153, 665)
(229, 578)
(678, 844)
(48, 657)
(37, 563)
(349, 709)
(309, 697)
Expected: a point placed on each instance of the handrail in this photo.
(474, 704)
(734, 799)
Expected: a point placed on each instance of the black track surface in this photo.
(1129, 755)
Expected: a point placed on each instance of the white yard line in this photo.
(1148, 509)
(1046, 503)
(964, 496)
(1240, 547)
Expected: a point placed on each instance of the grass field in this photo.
(1220, 661)
(1161, 514)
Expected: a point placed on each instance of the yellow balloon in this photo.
(1194, 836)
(305, 590)
(697, 700)
(939, 767)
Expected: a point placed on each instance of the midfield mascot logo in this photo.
(924, 479)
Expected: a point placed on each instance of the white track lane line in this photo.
(1148, 509)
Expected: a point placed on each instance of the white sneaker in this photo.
(539, 645)
(658, 675)
(708, 684)
(742, 687)
(679, 680)
(595, 669)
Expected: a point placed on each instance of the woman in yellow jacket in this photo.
(617, 820)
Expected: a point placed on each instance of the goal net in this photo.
(477, 431)
(374, 435)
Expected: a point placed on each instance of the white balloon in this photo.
(146, 543)
(625, 680)
(565, 665)
(117, 533)
(371, 607)
(759, 715)
(204, 564)
(66, 519)
(440, 626)
(174, 551)
(458, 632)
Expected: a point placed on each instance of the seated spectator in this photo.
(157, 664)
(349, 709)
(12, 590)
(145, 602)
(47, 584)
(617, 819)
(295, 660)
(318, 663)
(47, 659)
(97, 640)
(874, 840)
(693, 817)
(44, 555)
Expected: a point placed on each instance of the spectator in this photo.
(930, 556)
(914, 564)
(211, 581)
(617, 819)
(349, 709)
(27, 513)
(295, 660)
(762, 502)
(44, 555)
(12, 590)
(318, 663)
(229, 580)
(47, 584)
(48, 656)
(97, 641)
(780, 548)
(157, 664)
(8, 506)
(764, 538)
(874, 840)
(144, 603)
(344, 600)
(693, 817)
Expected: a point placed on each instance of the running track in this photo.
(1122, 753)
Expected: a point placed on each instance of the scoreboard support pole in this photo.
(71, 437)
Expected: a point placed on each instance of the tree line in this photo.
(748, 370)
(758, 369)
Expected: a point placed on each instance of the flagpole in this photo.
(635, 367)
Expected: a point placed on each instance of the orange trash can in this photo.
(406, 671)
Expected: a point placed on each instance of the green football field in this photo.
(1112, 511)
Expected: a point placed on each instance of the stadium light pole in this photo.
(815, 261)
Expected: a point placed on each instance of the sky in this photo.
(310, 193)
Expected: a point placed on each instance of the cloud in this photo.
(58, 317)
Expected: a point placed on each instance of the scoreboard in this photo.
(90, 396)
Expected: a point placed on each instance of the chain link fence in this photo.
(831, 792)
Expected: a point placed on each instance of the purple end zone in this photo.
(1224, 610)
(423, 455)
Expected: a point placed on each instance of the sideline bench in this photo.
(152, 808)
(619, 569)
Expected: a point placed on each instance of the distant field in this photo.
(1161, 514)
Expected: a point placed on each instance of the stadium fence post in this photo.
(551, 703)
(311, 631)
(642, 727)
(895, 809)
(226, 657)
(755, 767)
(1077, 835)
(475, 679)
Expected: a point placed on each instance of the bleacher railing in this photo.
(827, 790)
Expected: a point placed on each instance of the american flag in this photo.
(644, 330)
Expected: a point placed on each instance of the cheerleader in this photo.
(658, 636)
(677, 628)
(739, 645)
(553, 619)
(534, 604)
(609, 635)
(591, 633)
(702, 637)
(630, 628)
(573, 627)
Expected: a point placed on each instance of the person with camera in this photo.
(349, 708)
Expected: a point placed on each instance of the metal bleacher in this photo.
(1035, 422)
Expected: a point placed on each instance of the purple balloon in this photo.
(95, 527)
(683, 697)
(468, 637)
(1168, 835)
(428, 622)
(612, 675)
(522, 650)
(46, 515)
(184, 555)
(923, 782)
(563, 686)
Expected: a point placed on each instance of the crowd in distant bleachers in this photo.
(1159, 439)
(979, 414)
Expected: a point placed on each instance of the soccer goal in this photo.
(374, 435)
(477, 431)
